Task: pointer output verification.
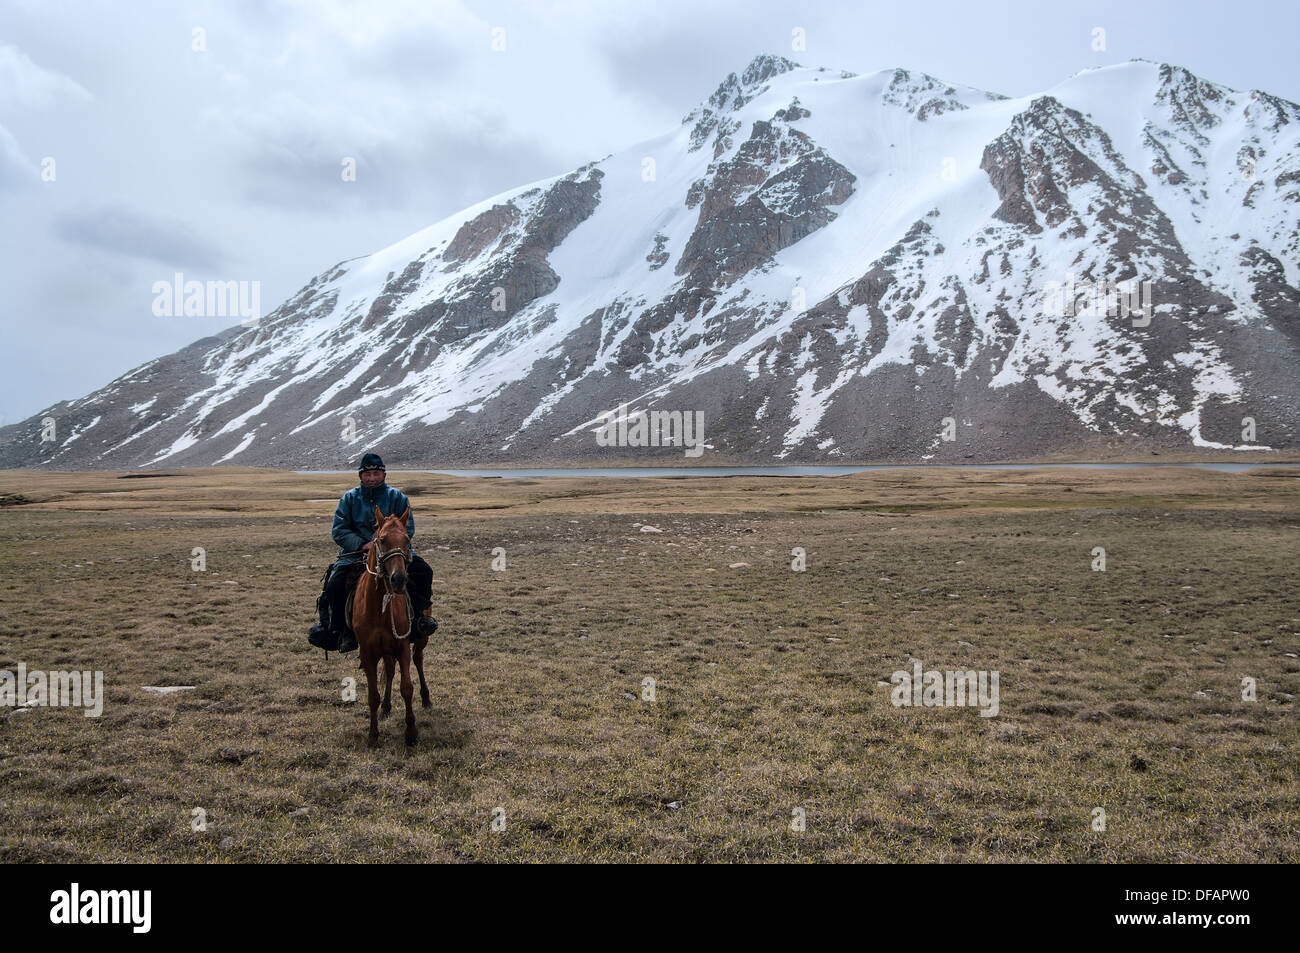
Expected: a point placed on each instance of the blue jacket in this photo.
(354, 520)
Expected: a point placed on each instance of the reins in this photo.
(386, 605)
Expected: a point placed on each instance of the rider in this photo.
(354, 525)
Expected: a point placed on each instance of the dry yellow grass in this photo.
(766, 679)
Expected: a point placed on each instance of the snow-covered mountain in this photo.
(825, 265)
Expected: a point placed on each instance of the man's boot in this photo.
(320, 634)
(346, 641)
(424, 625)
(322, 638)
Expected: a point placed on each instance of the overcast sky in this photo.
(224, 162)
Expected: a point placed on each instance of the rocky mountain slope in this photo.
(829, 267)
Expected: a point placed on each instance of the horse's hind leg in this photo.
(371, 665)
(388, 686)
(408, 690)
(419, 667)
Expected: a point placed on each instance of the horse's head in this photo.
(392, 547)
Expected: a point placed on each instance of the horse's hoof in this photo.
(372, 739)
(410, 741)
(385, 712)
(424, 700)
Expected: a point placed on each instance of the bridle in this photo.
(388, 585)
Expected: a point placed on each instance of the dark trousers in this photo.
(419, 583)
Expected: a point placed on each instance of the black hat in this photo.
(371, 461)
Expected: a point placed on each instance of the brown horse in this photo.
(381, 619)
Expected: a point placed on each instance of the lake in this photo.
(505, 473)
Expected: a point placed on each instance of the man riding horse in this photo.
(354, 527)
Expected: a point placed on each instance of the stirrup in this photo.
(323, 638)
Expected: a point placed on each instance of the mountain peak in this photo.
(931, 234)
(924, 95)
(734, 91)
(765, 66)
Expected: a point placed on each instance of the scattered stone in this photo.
(301, 812)
(737, 565)
(650, 529)
(674, 805)
(166, 689)
(629, 696)
(235, 755)
(968, 645)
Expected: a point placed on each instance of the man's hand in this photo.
(366, 547)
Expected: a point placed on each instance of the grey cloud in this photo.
(16, 170)
(680, 68)
(295, 166)
(24, 83)
(117, 230)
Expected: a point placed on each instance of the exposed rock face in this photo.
(775, 191)
(731, 95)
(510, 244)
(478, 233)
(924, 96)
(855, 260)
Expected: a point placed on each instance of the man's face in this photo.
(372, 478)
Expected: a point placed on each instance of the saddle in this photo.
(350, 583)
(356, 573)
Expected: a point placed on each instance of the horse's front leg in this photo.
(371, 665)
(418, 653)
(408, 690)
(389, 664)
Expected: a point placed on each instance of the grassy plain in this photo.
(1119, 690)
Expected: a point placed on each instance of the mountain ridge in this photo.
(828, 265)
